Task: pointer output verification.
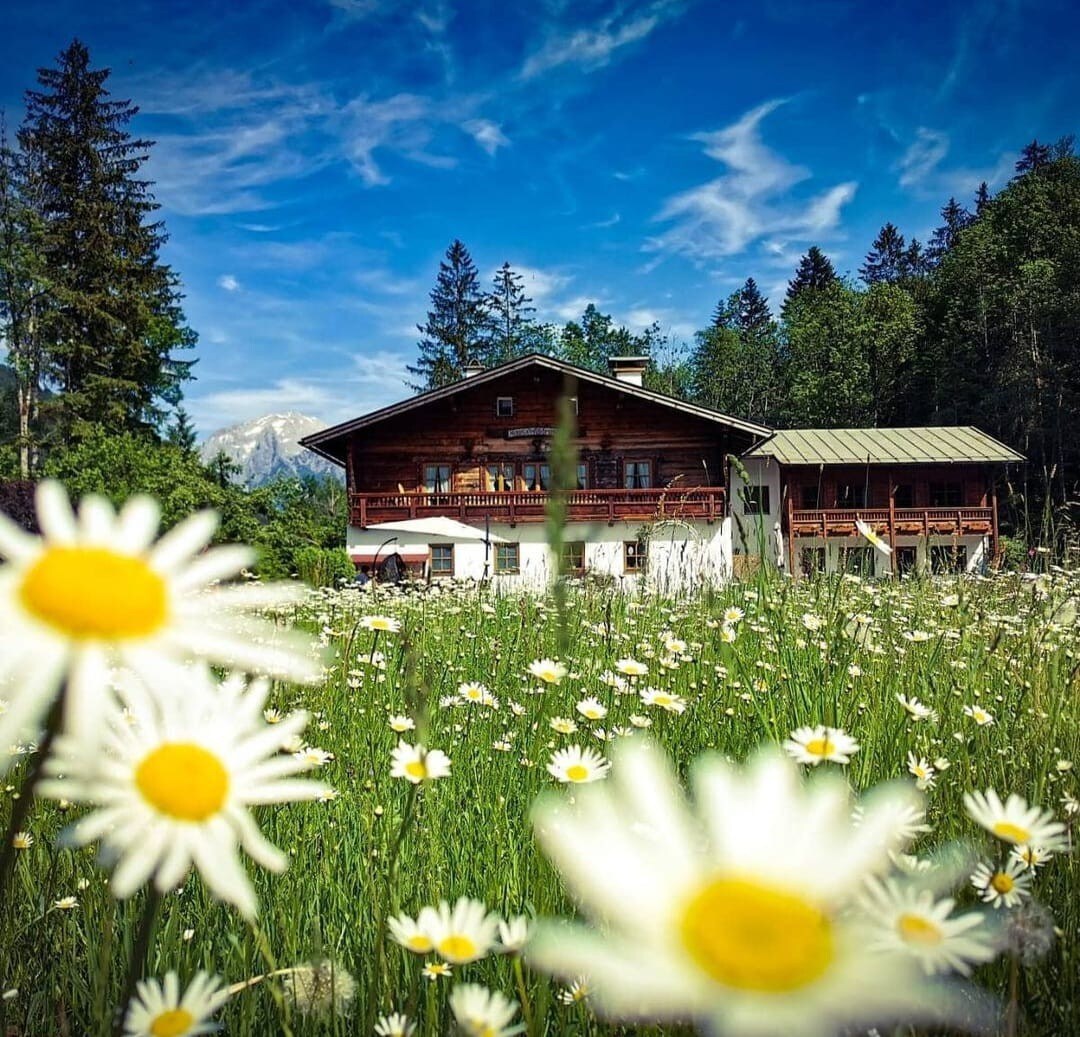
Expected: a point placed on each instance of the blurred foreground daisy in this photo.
(480, 1012)
(159, 1010)
(462, 933)
(1014, 821)
(173, 779)
(871, 537)
(415, 763)
(744, 917)
(96, 591)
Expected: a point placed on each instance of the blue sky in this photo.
(315, 157)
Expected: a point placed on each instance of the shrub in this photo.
(323, 566)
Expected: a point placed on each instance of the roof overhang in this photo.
(323, 442)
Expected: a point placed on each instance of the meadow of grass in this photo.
(834, 651)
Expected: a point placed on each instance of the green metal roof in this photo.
(933, 445)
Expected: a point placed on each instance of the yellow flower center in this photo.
(577, 772)
(1002, 883)
(917, 929)
(1011, 833)
(419, 944)
(820, 747)
(751, 936)
(93, 593)
(183, 780)
(416, 769)
(173, 1023)
(457, 947)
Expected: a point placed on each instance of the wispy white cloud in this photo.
(594, 46)
(228, 283)
(922, 156)
(487, 134)
(751, 201)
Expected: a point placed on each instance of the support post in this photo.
(993, 524)
(892, 525)
(791, 537)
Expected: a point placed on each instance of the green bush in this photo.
(323, 566)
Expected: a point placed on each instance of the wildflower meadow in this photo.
(811, 807)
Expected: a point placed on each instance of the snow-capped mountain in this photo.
(268, 447)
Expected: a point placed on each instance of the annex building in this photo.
(455, 482)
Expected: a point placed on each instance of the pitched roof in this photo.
(320, 442)
(932, 445)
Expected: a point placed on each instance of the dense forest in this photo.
(980, 325)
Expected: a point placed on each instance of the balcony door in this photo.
(437, 478)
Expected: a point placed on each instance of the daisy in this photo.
(872, 537)
(416, 764)
(414, 934)
(732, 909)
(979, 715)
(1014, 821)
(563, 725)
(513, 934)
(915, 709)
(394, 1025)
(592, 708)
(578, 766)
(912, 921)
(96, 591)
(578, 991)
(174, 780)
(472, 692)
(1006, 886)
(733, 614)
(159, 1010)
(664, 699)
(547, 671)
(401, 724)
(916, 636)
(22, 840)
(381, 624)
(463, 933)
(1030, 856)
(436, 970)
(814, 745)
(921, 770)
(631, 668)
(480, 1012)
(727, 634)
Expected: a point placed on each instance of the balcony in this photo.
(839, 522)
(514, 506)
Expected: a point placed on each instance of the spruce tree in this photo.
(1033, 157)
(815, 272)
(455, 326)
(511, 331)
(914, 260)
(182, 432)
(954, 219)
(982, 198)
(886, 262)
(112, 318)
(589, 342)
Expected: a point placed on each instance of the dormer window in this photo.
(504, 406)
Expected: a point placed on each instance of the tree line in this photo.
(979, 326)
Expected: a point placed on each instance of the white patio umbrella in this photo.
(439, 526)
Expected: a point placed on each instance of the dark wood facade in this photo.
(638, 457)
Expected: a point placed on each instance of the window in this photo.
(907, 560)
(504, 407)
(948, 558)
(436, 478)
(507, 558)
(573, 556)
(537, 476)
(946, 494)
(810, 496)
(638, 475)
(582, 476)
(442, 559)
(848, 495)
(904, 496)
(812, 560)
(857, 560)
(755, 500)
(635, 555)
(500, 476)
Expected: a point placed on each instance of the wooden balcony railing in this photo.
(514, 506)
(826, 522)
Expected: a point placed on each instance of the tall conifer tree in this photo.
(112, 319)
(886, 262)
(455, 326)
(511, 330)
(815, 272)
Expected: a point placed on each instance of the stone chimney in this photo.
(628, 369)
(469, 370)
